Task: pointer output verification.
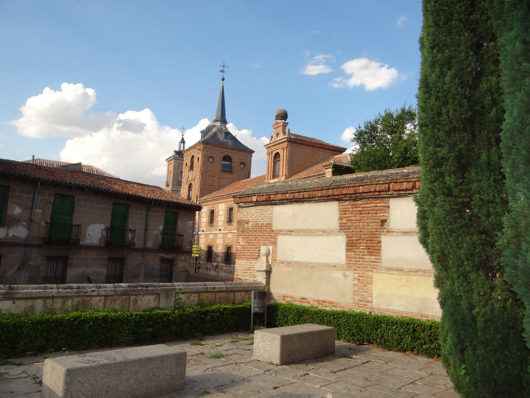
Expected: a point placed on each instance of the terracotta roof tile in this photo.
(308, 184)
(94, 182)
(86, 168)
(316, 141)
(235, 188)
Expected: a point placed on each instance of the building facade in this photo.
(330, 237)
(66, 225)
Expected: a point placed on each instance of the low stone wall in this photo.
(128, 297)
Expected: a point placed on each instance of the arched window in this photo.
(226, 164)
(190, 189)
(192, 161)
(276, 165)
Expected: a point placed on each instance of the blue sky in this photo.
(359, 58)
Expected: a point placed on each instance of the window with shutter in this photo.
(119, 224)
(61, 219)
(169, 231)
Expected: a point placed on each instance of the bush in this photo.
(392, 333)
(22, 334)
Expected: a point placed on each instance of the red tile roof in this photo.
(98, 183)
(86, 168)
(235, 187)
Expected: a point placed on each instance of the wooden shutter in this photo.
(61, 218)
(169, 232)
(4, 196)
(119, 224)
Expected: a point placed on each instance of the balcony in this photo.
(171, 241)
(63, 233)
(120, 236)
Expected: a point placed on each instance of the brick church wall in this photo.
(356, 251)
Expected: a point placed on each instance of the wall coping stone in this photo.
(8, 292)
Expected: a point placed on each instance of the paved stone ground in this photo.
(222, 367)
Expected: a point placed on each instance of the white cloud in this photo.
(61, 113)
(402, 21)
(348, 134)
(319, 65)
(131, 145)
(370, 74)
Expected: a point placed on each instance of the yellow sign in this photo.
(195, 251)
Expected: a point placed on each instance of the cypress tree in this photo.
(514, 33)
(462, 200)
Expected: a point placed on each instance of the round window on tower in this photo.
(242, 165)
(210, 159)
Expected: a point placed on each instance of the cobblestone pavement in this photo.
(222, 367)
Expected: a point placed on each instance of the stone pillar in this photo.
(263, 267)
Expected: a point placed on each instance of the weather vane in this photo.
(222, 69)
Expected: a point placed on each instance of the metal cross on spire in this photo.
(222, 69)
(182, 143)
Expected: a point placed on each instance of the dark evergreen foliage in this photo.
(514, 33)
(390, 332)
(462, 200)
(386, 142)
(23, 334)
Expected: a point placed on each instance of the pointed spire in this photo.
(220, 113)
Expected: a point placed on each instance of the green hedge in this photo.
(23, 334)
(392, 333)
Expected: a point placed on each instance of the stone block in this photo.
(190, 298)
(224, 298)
(207, 298)
(148, 371)
(167, 298)
(291, 344)
(117, 302)
(144, 302)
(241, 297)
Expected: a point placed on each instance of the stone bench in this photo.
(148, 371)
(293, 343)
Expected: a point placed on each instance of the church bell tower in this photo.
(174, 167)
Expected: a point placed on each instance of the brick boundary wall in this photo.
(363, 216)
(127, 297)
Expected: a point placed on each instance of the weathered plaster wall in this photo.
(313, 282)
(402, 292)
(325, 249)
(24, 249)
(324, 216)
